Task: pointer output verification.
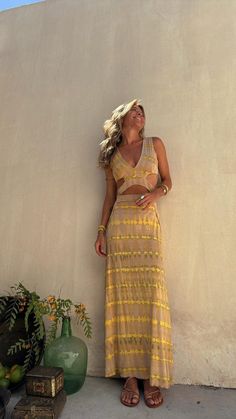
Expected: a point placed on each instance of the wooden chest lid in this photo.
(45, 372)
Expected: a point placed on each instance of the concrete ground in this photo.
(99, 399)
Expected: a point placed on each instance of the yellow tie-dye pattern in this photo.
(158, 304)
(138, 339)
(119, 319)
(138, 336)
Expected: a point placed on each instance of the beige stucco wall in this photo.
(65, 64)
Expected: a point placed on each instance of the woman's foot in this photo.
(130, 393)
(152, 394)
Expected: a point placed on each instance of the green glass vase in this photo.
(70, 353)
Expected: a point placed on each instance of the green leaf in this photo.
(13, 314)
(28, 311)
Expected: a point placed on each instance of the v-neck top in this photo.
(138, 175)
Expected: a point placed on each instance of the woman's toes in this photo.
(124, 397)
(127, 399)
(158, 398)
(130, 399)
(134, 399)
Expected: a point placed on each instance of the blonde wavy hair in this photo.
(113, 132)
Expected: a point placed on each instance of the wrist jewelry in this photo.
(165, 188)
(102, 228)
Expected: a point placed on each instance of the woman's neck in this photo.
(129, 138)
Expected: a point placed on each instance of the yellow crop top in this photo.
(138, 175)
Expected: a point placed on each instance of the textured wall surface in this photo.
(65, 64)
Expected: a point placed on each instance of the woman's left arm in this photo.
(163, 165)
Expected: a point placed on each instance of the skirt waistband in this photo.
(128, 197)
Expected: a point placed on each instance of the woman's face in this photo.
(134, 118)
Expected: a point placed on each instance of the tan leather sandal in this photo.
(134, 393)
(148, 394)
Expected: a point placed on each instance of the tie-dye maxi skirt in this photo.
(138, 339)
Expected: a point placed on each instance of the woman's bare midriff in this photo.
(138, 189)
(135, 189)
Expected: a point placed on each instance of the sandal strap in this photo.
(134, 395)
(149, 394)
(131, 391)
(127, 380)
(125, 388)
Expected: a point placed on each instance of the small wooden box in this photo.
(37, 407)
(44, 381)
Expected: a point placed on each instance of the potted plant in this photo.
(23, 337)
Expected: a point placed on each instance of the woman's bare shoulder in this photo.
(159, 145)
(158, 142)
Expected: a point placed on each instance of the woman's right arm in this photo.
(110, 197)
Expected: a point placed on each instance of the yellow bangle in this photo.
(101, 227)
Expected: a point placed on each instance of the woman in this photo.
(137, 315)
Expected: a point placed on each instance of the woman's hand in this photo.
(148, 198)
(100, 244)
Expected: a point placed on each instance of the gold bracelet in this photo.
(165, 188)
(101, 227)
